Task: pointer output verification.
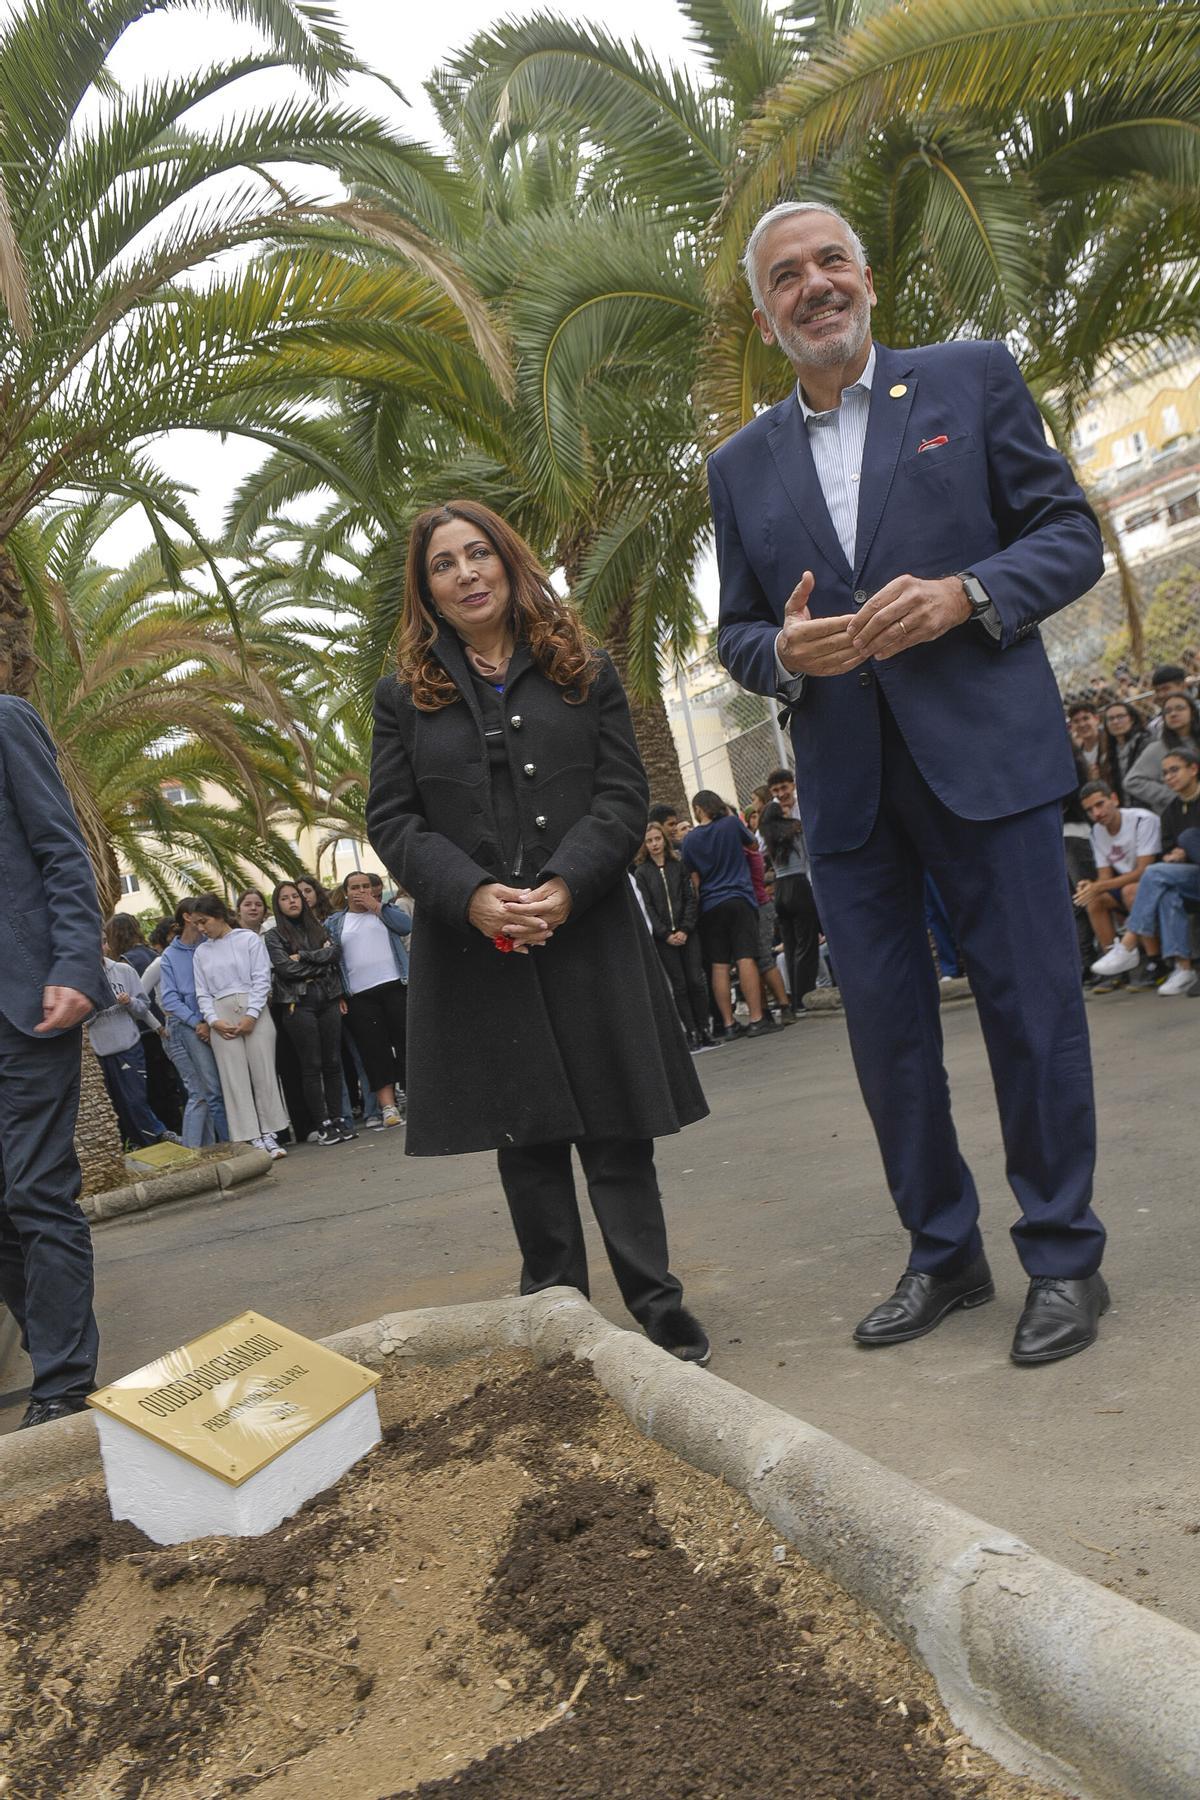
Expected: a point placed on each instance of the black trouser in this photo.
(378, 1017)
(689, 989)
(1081, 866)
(800, 928)
(314, 1027)
(45, 1244)
(539, 1186)
(164, 1091)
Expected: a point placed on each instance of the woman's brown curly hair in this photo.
(559, 644)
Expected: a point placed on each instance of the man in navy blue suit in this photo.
(51, 978)
(889, 538)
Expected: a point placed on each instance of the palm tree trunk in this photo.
(1131, 597)
(651, 726)
(97, 1140)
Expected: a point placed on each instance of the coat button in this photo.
(531, 768)
(541, 821)
(865, 678)
(860, 596)
(515, 721)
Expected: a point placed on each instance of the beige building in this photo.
(1137, 446)
(330, 862)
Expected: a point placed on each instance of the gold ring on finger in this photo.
(903, 626)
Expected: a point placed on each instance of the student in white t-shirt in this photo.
(1125, 841)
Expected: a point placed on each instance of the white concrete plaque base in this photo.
(173, 1500)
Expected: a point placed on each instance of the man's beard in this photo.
(829, 352)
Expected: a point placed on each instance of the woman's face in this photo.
(468, 582)
(1177, 714)
(309, 892)
(1178, 773)
(291, 903)
(251, 911)
(656, 843)
(1118, 721)
(209, 928)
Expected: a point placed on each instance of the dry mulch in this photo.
(515, 1595)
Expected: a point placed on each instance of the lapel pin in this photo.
(898, 391)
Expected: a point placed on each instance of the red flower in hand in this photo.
(503, 942)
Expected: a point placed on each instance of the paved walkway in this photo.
(784, 1237)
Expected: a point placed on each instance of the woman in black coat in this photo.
(508, 798)
(673, 908)
(308, 997)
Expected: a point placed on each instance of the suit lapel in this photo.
(788, 439)
(886, 422)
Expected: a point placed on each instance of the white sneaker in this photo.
(392, 1116)
(1181, 982)
(1117, 961)
(273, 1150)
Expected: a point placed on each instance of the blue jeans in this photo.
(1158, 909)
(204, 1120)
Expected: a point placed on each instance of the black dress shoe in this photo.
(922, 1301)
(683, 1336)
(40, 1412)
(1060, 1318)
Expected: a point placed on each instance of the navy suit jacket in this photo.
(49, 914)
(982, 718)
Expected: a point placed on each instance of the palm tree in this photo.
(185, 745)
(1019, 168)
(130, 307)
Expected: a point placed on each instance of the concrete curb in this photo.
(244, 1163)
(827, 1002)
(1051, 1674)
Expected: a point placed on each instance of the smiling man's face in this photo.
(816, 299)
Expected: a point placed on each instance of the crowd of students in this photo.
(1133, 838)
(290, 1018)
(730, 906)
(258, 1023)
(730, 903)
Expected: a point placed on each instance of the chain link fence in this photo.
(1090, 644)
(729, 740)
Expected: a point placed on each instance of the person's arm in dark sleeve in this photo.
(425, 863)
(597, 850)
(689, 911)
(287, 972)
(747, 628)
(650, 900)
(43, 808)
(1052, 551)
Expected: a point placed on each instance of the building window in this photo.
(175, 795)
(1170, 422)
(130, 884)
(1187, 508)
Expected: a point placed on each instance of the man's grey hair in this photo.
(785, 210)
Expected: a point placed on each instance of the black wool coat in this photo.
(579, 1039)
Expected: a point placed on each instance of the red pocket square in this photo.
(932, 443)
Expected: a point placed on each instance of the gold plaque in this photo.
(898, 391)
(236, 1398)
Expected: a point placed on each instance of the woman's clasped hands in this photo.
(528, 917)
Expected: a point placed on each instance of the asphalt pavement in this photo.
(784, 1236)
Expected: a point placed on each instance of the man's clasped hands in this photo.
(905, 612)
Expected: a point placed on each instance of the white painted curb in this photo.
(1051, 1674)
